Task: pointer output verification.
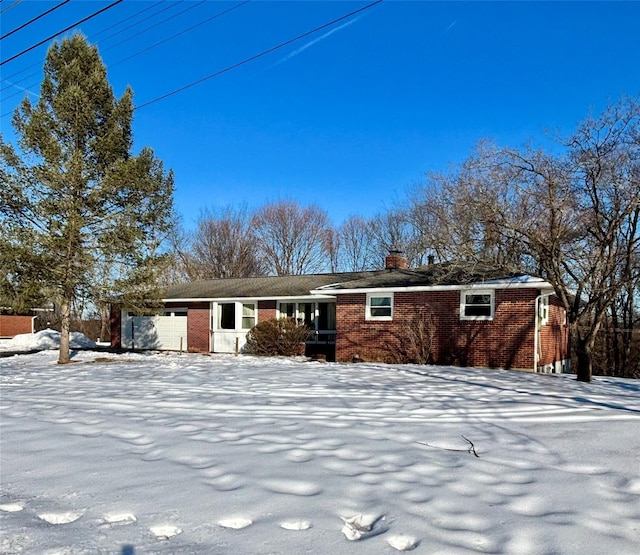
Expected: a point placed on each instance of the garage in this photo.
(166, 331)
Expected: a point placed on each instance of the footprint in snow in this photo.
(295, 525)
(292, 487)
(11, 507)
(61, 518)
(237, 523)
(114, 519)
(402, 543)
(165, 531)
(364, 526)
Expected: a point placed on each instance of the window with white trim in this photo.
(248, 316)
(379, 307)
(477, 304)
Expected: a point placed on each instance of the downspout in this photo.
(536, 328)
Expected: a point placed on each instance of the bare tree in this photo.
(588, 238)
(333, 248)
(452, 213)
(571, 217)
(357, 245)
(393, 230)
(291, 238)
(223, 246)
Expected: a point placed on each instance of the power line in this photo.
(113, 4)
(35, 19)
(260, 55)
(23, 89)
(128, 18)
(156, 25)
(169, 7)
(10, 6)
(180, 33)
(38, 63)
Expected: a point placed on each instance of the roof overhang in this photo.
(312, 297)
(522, 282)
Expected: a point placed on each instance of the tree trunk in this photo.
(65, 325)
(105, 317)
(584, 360)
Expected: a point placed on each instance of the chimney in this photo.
(396, 261)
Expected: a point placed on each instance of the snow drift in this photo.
(44, 340)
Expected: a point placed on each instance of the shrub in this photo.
(283, 337)
(414, 345)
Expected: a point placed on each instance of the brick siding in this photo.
(11, 326)
(115, 325)
(198, 316)
(507, 341)
(266, 310)
(554, 335)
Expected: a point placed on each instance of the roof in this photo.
(259, 287)
(444, 274)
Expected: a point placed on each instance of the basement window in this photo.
(477, 304)
(379, 307)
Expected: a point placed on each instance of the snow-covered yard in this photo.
(174, 453)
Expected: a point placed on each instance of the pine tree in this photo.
(75, 202)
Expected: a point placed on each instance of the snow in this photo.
(168, 453)
(45, 339)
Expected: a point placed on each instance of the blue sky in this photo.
(347, 118)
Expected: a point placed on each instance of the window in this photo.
(227, 316)
(379, 307)
(303, 313)
(476, 305)
(307, 314)
(248, 316)
(288, 310)
(326, 316)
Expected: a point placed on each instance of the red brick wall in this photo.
(554, 335)
(266, 310)
(198, 320)
(115, 325)
(15, 325)
(504, 342)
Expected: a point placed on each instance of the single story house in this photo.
(452, 313)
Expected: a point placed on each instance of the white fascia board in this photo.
(516, 283)
(313, 297)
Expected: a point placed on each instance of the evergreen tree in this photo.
(75, 203)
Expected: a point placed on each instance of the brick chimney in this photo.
(396, 261)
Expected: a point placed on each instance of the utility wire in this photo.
(39, 63)
(220, 14)
(35, 19)
(169, 7)
(10, 6)
(156, 25)
(127, 19)
(260, 55)
(113, 4)
(23, 89)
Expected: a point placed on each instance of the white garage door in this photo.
(165, 332)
